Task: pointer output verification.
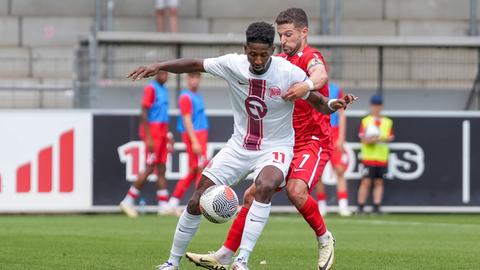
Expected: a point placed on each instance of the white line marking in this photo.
(466, 162)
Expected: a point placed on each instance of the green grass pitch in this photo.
(117, 242)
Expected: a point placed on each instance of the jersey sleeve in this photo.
(313, 59)
(296, 75)
(148, 96)
(185, 104)
(217, 66)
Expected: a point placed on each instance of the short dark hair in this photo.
(260, 32)
(297, 16)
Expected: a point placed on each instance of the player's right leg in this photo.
(223, 257)
(187, 226)
(363, 192)
(321, 198)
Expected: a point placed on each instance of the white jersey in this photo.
(262, 119)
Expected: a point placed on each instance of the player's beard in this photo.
(294, 50)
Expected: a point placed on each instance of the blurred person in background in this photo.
(339, 159)
(165, 8)
(154, 132)
(193, 125)
(376, 131)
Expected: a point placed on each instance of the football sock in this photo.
(132, 194)
(173, 202)
(236, 230)
(312, 215)
(342, 199)
(376, 208)
(323, 239)
(360, 208)
(224, 255)
(256, 219)
(322, 202)
(183, 185)
(187, 226)
(162, 197)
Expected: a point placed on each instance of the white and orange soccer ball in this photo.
(219, 204)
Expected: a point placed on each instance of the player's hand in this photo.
(349, 99)
(296, 91)
(197, 149)
(150, 145)
(144, 72)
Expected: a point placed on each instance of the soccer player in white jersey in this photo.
(263, 138)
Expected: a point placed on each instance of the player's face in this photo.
(258, 55)
(162, 77)
(193, 82)
(291, 37)
(376, 109)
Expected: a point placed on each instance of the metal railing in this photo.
(370, 63)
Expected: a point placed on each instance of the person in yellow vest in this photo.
(376, 131)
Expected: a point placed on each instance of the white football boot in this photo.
(326, 253)
(207, 261)
(129, 210)
(166, 266)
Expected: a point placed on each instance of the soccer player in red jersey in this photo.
(153, 131)
(312, 148)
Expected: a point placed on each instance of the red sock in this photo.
(234, 236)
(321, 196)
(183, 185)
(312, 215)
(342, 195)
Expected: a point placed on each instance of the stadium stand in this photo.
(39, 42)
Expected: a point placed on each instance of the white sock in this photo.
(322, 207)
(173, 202)
(187, 226)
(256, 219)
(324, 238)
(224, 255)
(162, 197)
(132, 194)
(343, 204)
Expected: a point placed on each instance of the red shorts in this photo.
(160, 151)
(196, 161)
(308, 163)
(339, 156)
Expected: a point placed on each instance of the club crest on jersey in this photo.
(274, 91)
(256, 108)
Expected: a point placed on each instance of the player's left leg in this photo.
(342, 192)
(306, 169)
(266, 184)
(321, 198)
(378, 187)
(162, 192)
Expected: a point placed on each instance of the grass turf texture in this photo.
(117, 242)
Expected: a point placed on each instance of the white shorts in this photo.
(233, 163)
(161, 4)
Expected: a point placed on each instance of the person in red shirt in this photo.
(312, 148)
(193, 125)
(154, 132)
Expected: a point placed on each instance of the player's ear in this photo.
(245, 48)
(272, 49)
(304, 32)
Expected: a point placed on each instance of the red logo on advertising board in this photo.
(45, 167)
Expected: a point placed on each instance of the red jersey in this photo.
(307, 122)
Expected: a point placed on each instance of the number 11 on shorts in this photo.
(279, 157)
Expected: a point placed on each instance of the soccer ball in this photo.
(372, 131)
(219, 204)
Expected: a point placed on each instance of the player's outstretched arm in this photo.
(182, 65)
(328, 106)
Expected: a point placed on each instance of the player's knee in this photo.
(297, 193)
(264, 191)
(193, 206)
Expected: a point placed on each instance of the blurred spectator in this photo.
(154, 132)
(375, 134)
(193, 125)
(165, 8)
(339, 158)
